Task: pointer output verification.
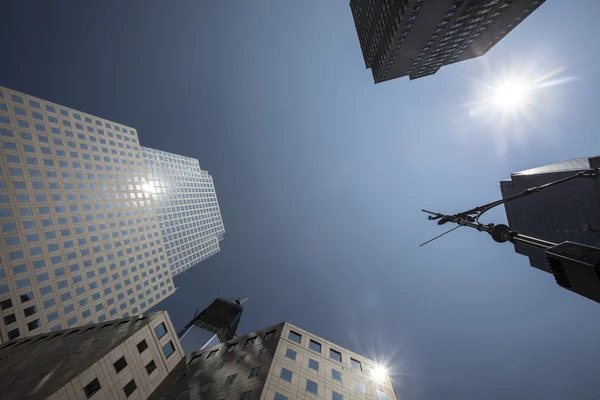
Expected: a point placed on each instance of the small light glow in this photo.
(148, 187)
(379, 373)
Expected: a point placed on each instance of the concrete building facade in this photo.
(277, 363)
(417, 37)
(566, 212)
(85, 236)
(187, 208)
(125, 358)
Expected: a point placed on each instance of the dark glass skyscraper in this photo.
(417, 37)
(566, 212)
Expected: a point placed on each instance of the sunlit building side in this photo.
(112, 360)
(418, 37)
(187, 208)
(566, 212)
(282, 362)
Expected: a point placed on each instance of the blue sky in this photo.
(321, 175)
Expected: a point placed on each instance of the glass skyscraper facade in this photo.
(80, 230)
(187, 208)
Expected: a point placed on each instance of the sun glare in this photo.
(379, 373)
(510, 95)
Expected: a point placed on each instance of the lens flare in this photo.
(379, 373)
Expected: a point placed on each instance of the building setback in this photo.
(417, 37)
(81, 222)
(282, 362)
(187, 208)
(125, 358)
(566, 212)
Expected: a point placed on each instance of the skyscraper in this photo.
(111, 360)
(566, 212)
(282, 362)
(417, 37)
(187, 208)
(81, 240)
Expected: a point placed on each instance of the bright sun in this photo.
(510, 95)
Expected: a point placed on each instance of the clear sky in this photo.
(321, 175)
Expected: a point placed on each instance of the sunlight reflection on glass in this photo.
(379, 373)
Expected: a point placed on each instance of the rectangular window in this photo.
(337, 375)
(280, 397)
(160, 330)
(240, 359)
(10, 319)
(312, 364)
(296, 337)
(130, 388)
(91, 388)
(269, 335)
(291, 354)
(230, 379)
(120, 364)
(336, 396)
(312, 387)
(360, 386)
(33, 325)
(250, 342)
(286, 375)
(335, 355)
(314, 346)
(254, 372)
(150, 367)
(246, 395)
(356, 366)
(168, 349)
(231, 347)
(381, 395)
(29, 311)
(142, 346)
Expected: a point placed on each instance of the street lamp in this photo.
(575, 266)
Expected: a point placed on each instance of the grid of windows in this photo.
(80, 237)
(186, 204)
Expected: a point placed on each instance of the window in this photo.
(337, 375)
(254, 372)
(168, 349)
(381, 395)
(336, 396)
(160, 330)
(6, 304)
(250, 342)
(9, 319)
(314, 346)
(280, 397)
(290, 354)
(120, 364)
(263, 352)
(91, 388)
(360, 386)
(312, 387)
(230, 379)
(355, 365)
(246, 395)
(130, 388)
(335, 355)
(13, 334)
(141, 346)
(231, 347)
(29, 311)
(150, 367)
(313, 364)
(33, 325)
(270, 335)
(295, 337)
(240, 359)
(286, 375)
